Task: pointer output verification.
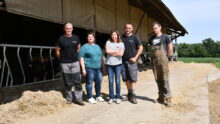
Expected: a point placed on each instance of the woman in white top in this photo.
(115, 50)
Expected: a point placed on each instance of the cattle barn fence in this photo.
(26, 64)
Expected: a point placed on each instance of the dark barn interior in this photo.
(23, 30)
(17, 29)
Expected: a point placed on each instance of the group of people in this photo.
(122, 55)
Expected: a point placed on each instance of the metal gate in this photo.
(26, 64)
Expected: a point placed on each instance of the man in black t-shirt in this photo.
(67, 49)
(161, 48)
(133, 49)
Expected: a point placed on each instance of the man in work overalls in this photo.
(161, 48)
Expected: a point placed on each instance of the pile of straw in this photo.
(32, 104)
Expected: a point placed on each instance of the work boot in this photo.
(129, 96)
(81, 103)
(133, 99)
(159, 100)
(69, 101)
(168, 102)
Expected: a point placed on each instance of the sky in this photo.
(201, 18)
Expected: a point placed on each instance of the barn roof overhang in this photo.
(157, 10)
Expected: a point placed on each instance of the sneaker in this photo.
(110, 101)
(100, 99)
(118, 101)
(92, 101)
(133, 99)
(125, 98)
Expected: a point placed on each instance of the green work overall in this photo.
(161, 70)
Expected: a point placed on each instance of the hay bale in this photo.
(32, 104)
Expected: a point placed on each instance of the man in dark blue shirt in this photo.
(133, 49)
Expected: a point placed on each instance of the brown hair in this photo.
(127, 25)
(156, 23)
(118, 36)
(90, 33)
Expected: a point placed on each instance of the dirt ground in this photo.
(189, 85)
(214, 101)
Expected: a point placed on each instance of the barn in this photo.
(27, 25)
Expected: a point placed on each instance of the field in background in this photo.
(215, 61)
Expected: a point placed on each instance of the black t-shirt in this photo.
(156, 41)
(131, 44)
(68, 48)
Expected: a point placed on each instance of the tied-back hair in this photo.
(118, 36)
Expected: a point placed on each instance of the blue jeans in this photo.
(96, 76)
(114, 70)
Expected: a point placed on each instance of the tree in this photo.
(183, 50)
(209, 44)
(216, 49)
(208, 48)
(199, 50)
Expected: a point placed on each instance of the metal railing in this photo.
(11, 55)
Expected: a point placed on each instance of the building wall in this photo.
(79, 12)
(46, 9)
(100, 15)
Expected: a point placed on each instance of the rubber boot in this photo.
(160, 99)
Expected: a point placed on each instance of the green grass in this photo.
(217, 64)
(215, 61)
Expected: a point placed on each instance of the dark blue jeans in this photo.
(96, 76)
(114, 70)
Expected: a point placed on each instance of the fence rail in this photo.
(35, 64)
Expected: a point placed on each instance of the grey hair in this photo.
(68, 23)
